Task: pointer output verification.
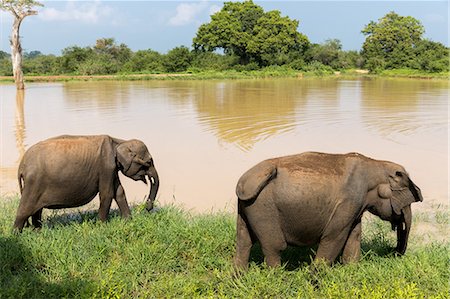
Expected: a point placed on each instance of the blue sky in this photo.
(163, 25)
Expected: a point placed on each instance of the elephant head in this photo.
(135, 161)
(392, 200)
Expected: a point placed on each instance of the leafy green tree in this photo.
(108, 47)
(73, 57)
(390, 42)
(245, 30)
(32, 54)
(326, 53)
(4, 55)
(145, 61)
(6, 67)
(350, 59)
(40, 64)
(230, 29)
(213, 61)
(330, 53)
(431, 57)
(106, 58)
(177, 60)
(274, 37)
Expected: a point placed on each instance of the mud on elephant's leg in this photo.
(352, 248)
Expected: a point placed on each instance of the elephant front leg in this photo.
(331, 244)
(122, 202)
(352, 249)
(105, 206)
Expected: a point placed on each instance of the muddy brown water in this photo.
(204, 134)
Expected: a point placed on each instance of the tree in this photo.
(32, 54)
(108, 47)
(330, 53)
(431, 57)
(274, 37)
(245, 30)
(73, 57)
(20, 9)
(41, 64)
(390, 42)
(145, 61)
(106, 57)
(3, 55)
(178, 59)
(326, 53)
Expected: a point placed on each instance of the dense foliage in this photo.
(243, 37)
(396, 42)
(254, 36)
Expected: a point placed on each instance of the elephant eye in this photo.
(399, 174)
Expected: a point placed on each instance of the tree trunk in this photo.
(16, 53)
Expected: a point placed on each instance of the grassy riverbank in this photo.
(171, 254)
(269, 72)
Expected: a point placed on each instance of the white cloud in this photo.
(86, 12)
(187, 13)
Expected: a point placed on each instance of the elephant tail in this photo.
(255, 179)
(20, 178)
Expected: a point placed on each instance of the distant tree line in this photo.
(242, 36)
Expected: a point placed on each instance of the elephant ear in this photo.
(125, 156)
(254, 180)
(404, 192)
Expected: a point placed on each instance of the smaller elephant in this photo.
(69, 171)
(317, 198)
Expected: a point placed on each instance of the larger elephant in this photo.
(318, 198)
(69, 171)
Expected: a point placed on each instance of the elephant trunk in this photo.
(154, 186)
(403, 229)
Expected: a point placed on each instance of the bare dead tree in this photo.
(19, 9)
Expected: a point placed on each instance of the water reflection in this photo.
(20, 131)
(405, 107)
(107, 97)
(244, 113)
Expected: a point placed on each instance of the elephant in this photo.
(69, 171)
(319, 198)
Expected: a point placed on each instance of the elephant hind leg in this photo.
(244, 243)
(20, 221)
(37, 219)
(271, 238)
(28, 206)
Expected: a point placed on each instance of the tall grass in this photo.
(172, 254)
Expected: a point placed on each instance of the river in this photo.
(204, 134)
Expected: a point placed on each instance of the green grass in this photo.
(415, 74)
(172, 254)
(268, 72)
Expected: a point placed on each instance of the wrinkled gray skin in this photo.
(317, 198)
(69, 171)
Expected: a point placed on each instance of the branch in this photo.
(28, 13)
